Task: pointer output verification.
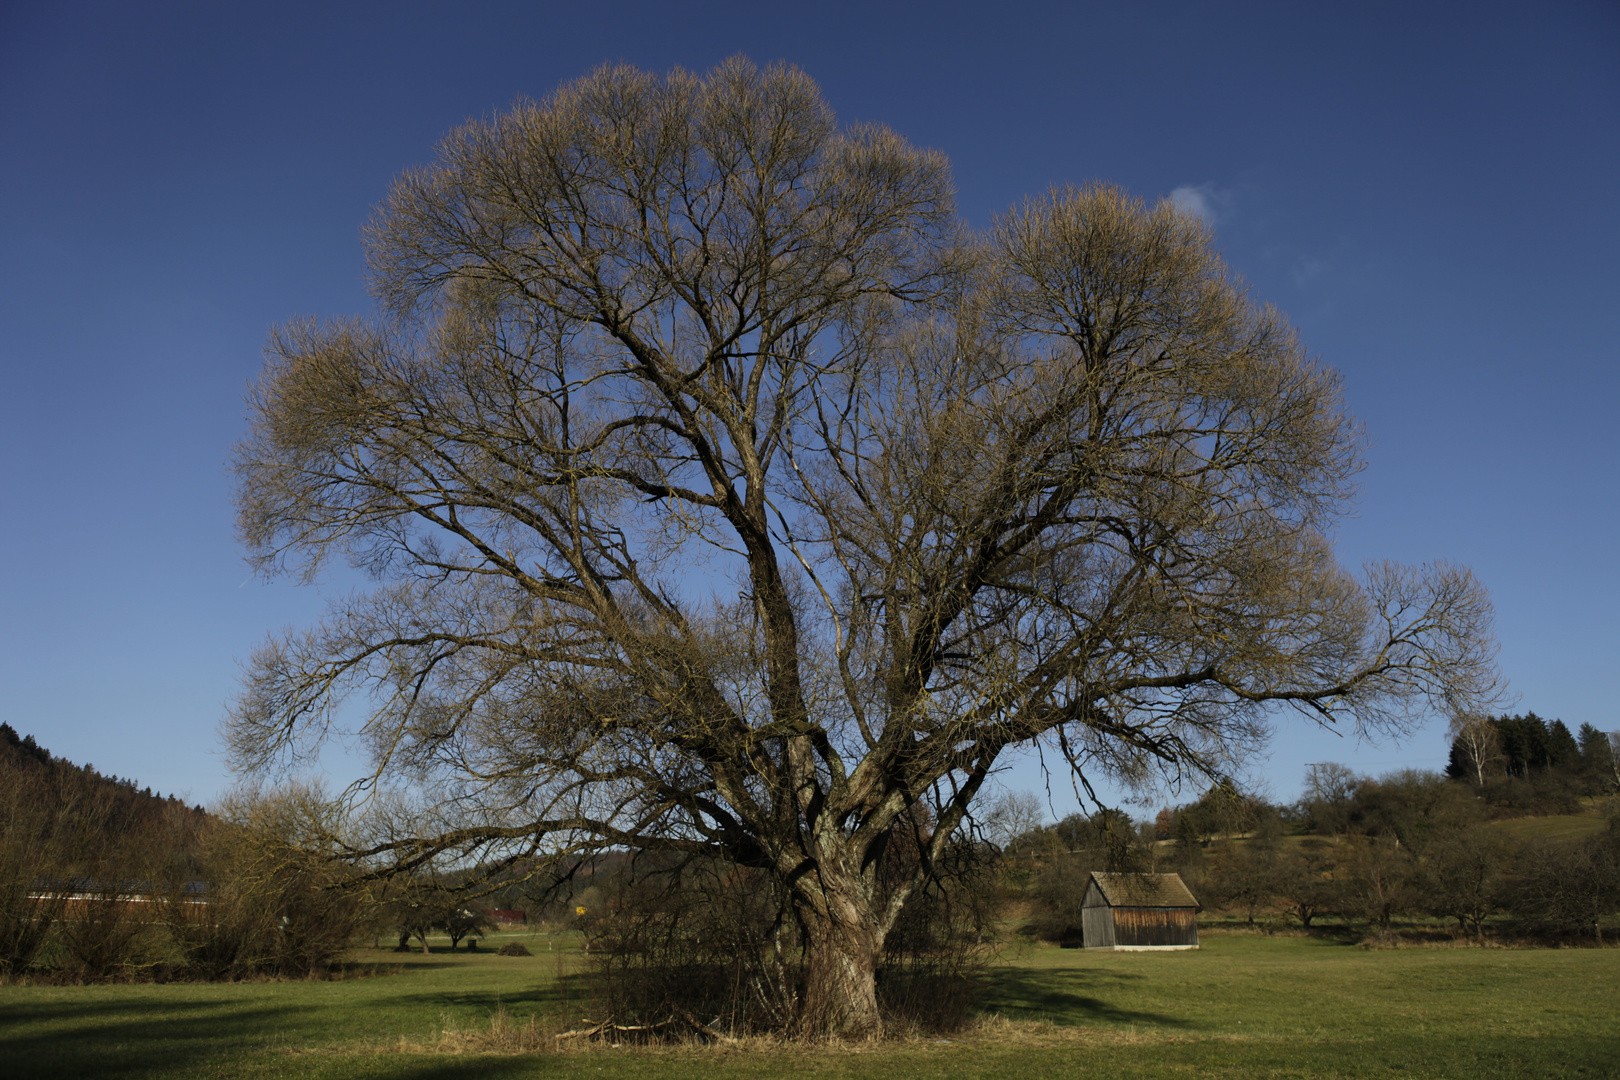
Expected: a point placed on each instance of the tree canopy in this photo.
(727, 495)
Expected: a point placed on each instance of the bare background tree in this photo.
(727, 498)
(1479, 746)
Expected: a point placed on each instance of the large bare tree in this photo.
(726, 496)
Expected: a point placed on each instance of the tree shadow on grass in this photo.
(544, 992)
(483, 1068)
(1069, 997)
(1334, 934)
(127, 1040)
(478, 999)
(438, 958)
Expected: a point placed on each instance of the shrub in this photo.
(279, 902)
(1567, 887)
(102, 930)
(1540, 792)
(1059, 888)
(702, 941)
(33, 880)
(513, 948)
(929, 973)
(1461, 879)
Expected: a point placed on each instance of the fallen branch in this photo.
(701, 1028)
(608, 1027)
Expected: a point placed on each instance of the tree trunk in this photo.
(840, 992)
(843, 936)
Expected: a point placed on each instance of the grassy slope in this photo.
(1552, 827)
(1242, 1006)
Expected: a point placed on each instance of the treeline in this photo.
(99, 880)
(1524, 764)
(1408, 845)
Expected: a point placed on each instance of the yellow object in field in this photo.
(579, 911)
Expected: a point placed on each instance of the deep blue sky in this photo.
(1429, 190)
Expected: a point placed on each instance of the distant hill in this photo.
(60, 781)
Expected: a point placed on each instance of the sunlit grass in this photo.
(1551, 827)
(1244, 1005)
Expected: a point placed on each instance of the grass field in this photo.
(1553, 827)
(1243, 1006)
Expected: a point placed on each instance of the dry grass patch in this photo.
(506, 1034)
(1004, 1033)
(502, 1034)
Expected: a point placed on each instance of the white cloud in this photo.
(1199, 199)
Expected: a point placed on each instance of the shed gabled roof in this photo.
(1144, 890)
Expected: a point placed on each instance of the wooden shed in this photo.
(1139, 911)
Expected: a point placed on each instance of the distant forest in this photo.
(60, 780)
(1530, 765)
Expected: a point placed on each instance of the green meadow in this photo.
(1245, 1005)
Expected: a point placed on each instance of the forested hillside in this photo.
(101, 879)
(24, 763)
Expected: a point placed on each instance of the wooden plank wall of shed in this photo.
(1152, 926)
(1097, 924)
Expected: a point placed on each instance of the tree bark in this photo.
(837, 908)
(840, 992)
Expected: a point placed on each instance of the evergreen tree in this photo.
(1459, 764)
(1597, 756)
(1524, 743)
(1562, 752)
